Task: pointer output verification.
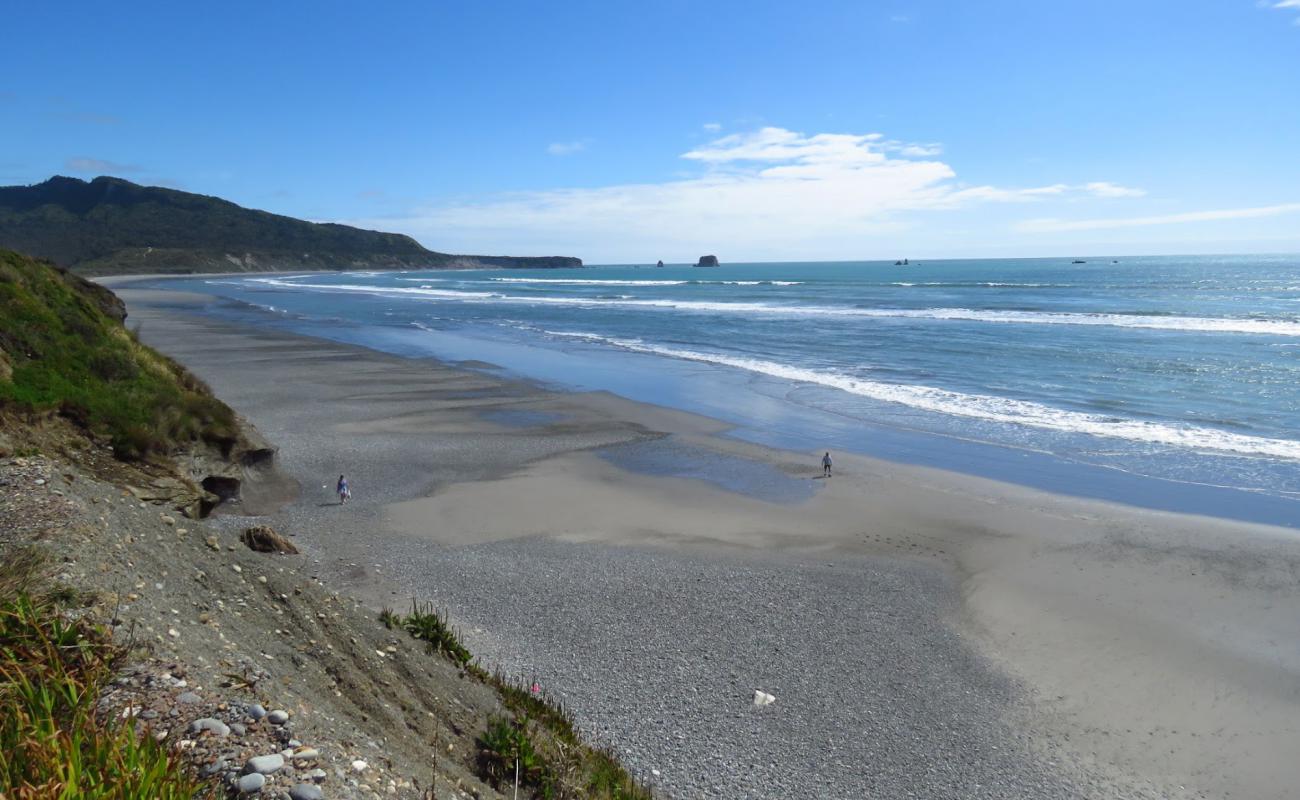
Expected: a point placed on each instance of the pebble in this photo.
(303, 753)
(277, 717)
(251, 783)
(255, 711)
(264, 764)
(188, 698)
(215, 726)
(360, 766)
(212, 769)
(306, 791)
(317, 775)
(238, 728)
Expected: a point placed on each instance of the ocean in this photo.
(1170, 382)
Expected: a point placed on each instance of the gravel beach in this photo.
(924, 634)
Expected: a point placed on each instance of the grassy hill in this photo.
(65, 351)
(111, 226)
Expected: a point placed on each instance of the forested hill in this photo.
(112, 226)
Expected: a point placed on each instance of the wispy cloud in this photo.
(99, 166)
(1283, 5)
(1108, 189)
(567, 148)
(712, 127)
(1059, 225)
(768, 190)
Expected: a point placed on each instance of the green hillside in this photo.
(112, 226)
(64, 350)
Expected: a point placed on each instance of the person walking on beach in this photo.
(343, 490)
(826, 465)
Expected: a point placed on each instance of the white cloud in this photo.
(771, 191)
(1283, 5)
(1058, 225)
(1108, 189)
(712, 127)
(921, 150)
(567, 148)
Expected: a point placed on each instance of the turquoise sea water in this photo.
(1173, 372)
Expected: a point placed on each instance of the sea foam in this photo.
(984, 407)
(1265, 326)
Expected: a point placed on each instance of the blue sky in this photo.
(629, 132)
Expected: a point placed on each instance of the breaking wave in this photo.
(1247, 325)
(984, 407)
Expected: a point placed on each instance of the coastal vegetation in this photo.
(535, 743)
(64, 351)
(55, 741)
(112, 226)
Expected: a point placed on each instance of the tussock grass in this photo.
(53, 741)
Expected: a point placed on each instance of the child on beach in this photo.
(826, 465)
(344, 492)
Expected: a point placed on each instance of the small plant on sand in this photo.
(427, 624)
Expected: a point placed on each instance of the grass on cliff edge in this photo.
(62, 350)
(54, 743)
(538, 740)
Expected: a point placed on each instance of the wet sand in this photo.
(924, 631)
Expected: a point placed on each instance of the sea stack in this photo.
(707, 261)
(660, 264)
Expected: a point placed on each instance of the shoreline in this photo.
(792, 425)
(1149, 639)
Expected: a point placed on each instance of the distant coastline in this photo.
(111, 226)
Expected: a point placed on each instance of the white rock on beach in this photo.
(762, 698)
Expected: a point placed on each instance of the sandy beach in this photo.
(926, 633)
